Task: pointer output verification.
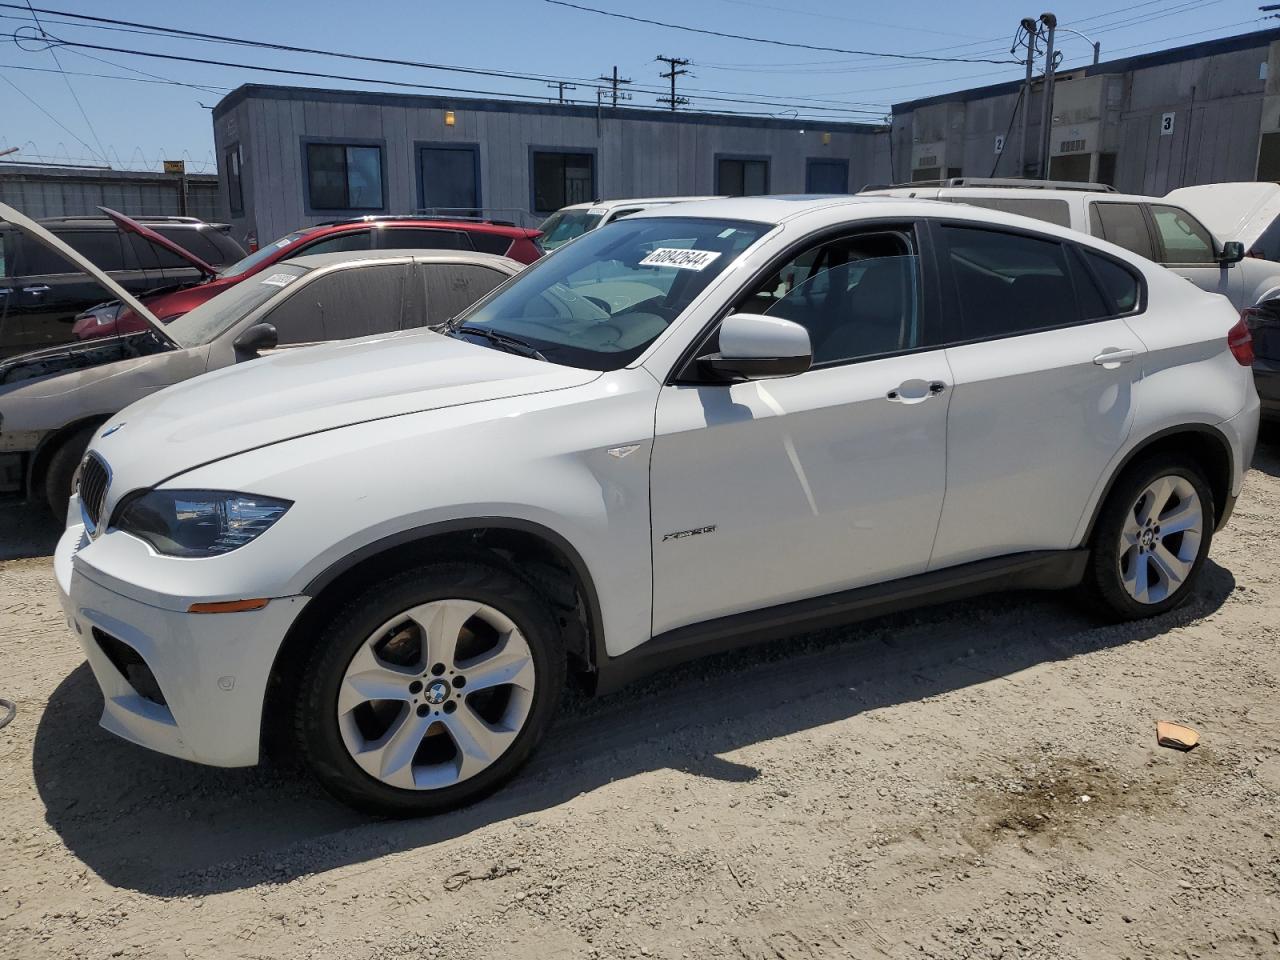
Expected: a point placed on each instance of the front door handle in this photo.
(37, 290)
(1111, 359)
(916, 391)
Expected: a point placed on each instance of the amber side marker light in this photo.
(228, 606)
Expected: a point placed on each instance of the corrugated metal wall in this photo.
(634, 157)
(1216, 100)
(42, 193)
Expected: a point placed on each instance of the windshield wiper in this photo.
(503, 340)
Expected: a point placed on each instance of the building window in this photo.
(235, 190)
(742, 176)
(344, 176)
(561, 179)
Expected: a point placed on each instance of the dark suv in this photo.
(40, 300)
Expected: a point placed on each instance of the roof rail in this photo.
(383, 217)
(997, 182)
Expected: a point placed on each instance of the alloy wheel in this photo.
(1161, 539)
(436, 694)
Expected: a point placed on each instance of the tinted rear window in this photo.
(1119, 282)
(1008, 284)
(1038, 208)
(1124, 225)
(491, 243)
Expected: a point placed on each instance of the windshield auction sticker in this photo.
(280, 279)
(680, 258)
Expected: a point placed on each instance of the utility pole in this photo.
(1046, 122)
(1029, 29)
(671, 74)
(614, 81)
(563, 86)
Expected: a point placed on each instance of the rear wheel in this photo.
(431, 689)
(1152, 538)
(62, 468)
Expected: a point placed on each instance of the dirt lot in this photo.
(979, 780)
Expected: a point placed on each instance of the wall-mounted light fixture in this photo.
(826, 139)
(449, 118)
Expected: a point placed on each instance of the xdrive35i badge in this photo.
(696, 531)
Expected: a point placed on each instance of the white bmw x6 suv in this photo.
(688, 430)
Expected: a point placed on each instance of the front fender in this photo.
(542, 460)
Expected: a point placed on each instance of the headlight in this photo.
(199, 523)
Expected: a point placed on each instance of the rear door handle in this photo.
(1113, 358)
(36, 290)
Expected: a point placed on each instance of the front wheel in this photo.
(1152, 538)
(431, 689)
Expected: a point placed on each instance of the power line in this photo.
(24, 95)
(108, 76)
(776, 43)
(96, 22)
(67, 80)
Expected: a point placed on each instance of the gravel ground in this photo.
(976, 780)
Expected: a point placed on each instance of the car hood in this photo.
(1231, 211)
(304, 391)
(80, 355)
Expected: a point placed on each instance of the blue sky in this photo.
(131, 122)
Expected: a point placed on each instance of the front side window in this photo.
(344, 176)
(1267, 246)
(601, 301)
(1124, 225)
(562, 179)
(857, 296)
(351, 302)
(742, 177)
(1184, 238)
(235, 189)
(1008, 284)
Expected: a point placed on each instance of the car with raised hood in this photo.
(41, 303)
(49, 408)
(339, 236)
(576, 219)
(693, 428)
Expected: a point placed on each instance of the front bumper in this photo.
(211, 669)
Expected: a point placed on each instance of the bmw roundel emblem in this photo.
(112, 429)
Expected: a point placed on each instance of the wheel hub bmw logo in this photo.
(438, 692)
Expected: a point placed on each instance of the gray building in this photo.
(288, 157)
(1203, 113)
(51, 191)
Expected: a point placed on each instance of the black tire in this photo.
(316, 728)
(62, 467)
(1103, 585)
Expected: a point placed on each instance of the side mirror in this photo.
(756, 347)
(261, 336)
(1232, 252)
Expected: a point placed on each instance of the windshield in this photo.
(253, 260)
(600, 302)
(214, 316)
(564, 226)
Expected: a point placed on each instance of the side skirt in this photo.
(1037, 570)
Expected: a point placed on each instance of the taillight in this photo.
(1240, 340)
